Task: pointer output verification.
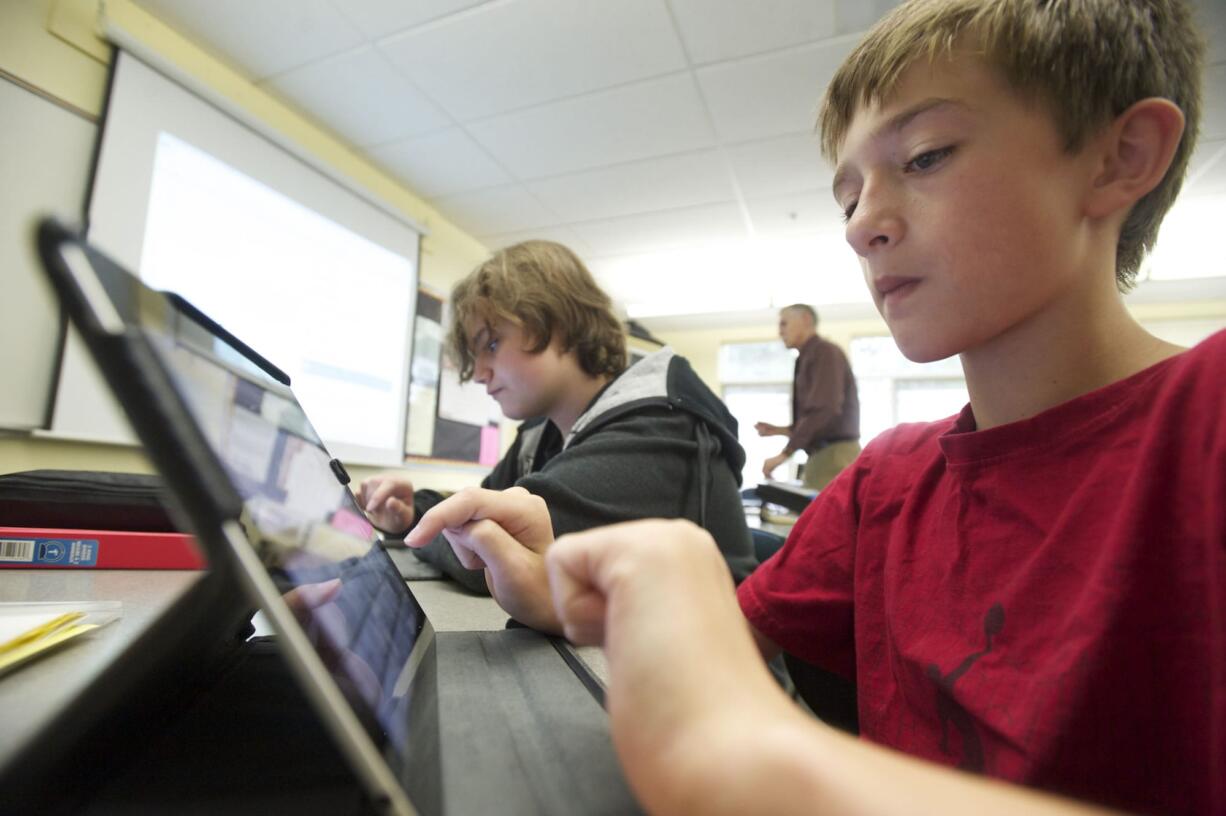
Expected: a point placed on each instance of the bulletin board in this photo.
(447, 419)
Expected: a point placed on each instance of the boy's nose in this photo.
(876, 223)
(481, 372)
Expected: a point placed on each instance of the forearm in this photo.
(765, 757)
(766, 647)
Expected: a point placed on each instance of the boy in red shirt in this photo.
(1034, 590)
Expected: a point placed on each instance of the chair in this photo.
(765, 543)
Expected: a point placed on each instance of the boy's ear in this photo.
(1135, 152)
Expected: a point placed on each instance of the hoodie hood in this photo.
(667, 379)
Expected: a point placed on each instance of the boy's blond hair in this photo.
(545, 289)
(1085, 61)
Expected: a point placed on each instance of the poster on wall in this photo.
(447, 419)
(424, 375)
(468, 419)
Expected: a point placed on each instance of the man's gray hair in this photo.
(802, 308)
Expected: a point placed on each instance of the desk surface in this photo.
(451, 609)
(32, 694)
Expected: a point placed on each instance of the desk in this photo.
(33, 694)
(451, 609)
(753, 519)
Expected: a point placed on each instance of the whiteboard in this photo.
(45, 155)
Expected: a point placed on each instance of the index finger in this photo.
(515, 510)
(379, 495)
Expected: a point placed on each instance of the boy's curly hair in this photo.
(545, 289)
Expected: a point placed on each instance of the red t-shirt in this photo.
(1044, 601)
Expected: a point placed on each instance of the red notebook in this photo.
(43, 548)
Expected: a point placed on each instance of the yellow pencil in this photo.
(39, 632)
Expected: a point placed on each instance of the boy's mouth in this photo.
(893, 285)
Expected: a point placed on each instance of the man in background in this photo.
(825, 405)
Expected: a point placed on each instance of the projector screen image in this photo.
(199, 198)
(324, 304)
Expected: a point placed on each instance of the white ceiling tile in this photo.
(653, 118)
(771, 95)
(381, 18)
(496, 211)
(259, 39)
(505, 56)
(795, 214)
(859, 15)
(715, 30)
(665, 183)
(663, 230)
(819, 269)
(359, 95)
(787, 164)
(441, 164)
(559, 235)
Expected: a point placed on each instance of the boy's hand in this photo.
(642, 579)
(506, 533)
(767, 429)
(687, 682)
(387, 499)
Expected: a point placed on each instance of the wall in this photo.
(50, 46)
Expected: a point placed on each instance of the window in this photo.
(893, 389)
(756, 379)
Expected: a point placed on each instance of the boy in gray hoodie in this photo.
(601, 442)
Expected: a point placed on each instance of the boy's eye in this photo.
(492, 345)
(928, 159)
(849, 211)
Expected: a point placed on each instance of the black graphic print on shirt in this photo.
(950, 711)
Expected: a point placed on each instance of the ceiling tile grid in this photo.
(263, 38)
(638, 121)
(714, 32)
(496, 210)
(784, 164)
(509, 55)
(651, 185)
(663, 230)
(383, 18)
(360, 96)
(771, 95)
(620, 127)
(440, 164)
